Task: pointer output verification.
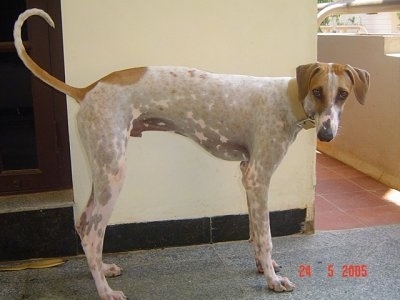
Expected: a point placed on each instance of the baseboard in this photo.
(135, 236)
(50, 232)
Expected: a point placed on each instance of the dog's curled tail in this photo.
(74, 92)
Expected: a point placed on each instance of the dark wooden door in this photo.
(34, 146)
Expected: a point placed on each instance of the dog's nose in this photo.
(325, 133)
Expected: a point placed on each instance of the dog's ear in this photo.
(304, 73)
(360, 79)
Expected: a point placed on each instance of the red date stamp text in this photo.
(349, 271)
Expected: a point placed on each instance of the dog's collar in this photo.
(304, 121)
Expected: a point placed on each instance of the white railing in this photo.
(344, 29)
(356, 7)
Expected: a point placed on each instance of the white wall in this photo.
(170, 177)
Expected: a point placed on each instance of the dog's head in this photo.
(323, 89)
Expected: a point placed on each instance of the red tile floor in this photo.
(346, 198)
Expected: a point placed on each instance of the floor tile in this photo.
(334, 220)
(346, 198)
(336, 186)
(327, 161)
(382, 215)
(389, 195)
(322, 204)
(368, 183)
(347, 172)
(358, 199)
(324, 173)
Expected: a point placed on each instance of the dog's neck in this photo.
(303, 120)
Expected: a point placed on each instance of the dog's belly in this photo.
(215, 111)
(211, 140)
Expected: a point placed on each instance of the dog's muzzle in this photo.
(325, 133)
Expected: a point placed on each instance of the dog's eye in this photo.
(343, 95)
(317, 93)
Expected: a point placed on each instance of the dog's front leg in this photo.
(256, 183)
(243, 167)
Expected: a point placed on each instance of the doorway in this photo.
(34, 145)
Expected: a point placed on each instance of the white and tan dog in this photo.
(234, 117)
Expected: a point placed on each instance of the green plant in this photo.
(328, 20)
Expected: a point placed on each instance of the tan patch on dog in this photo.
(121, 78)
(125, 77)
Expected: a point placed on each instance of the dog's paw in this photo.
(260, 269)
(111, 270)
(276, 266)
(281, 284)
(113, 295)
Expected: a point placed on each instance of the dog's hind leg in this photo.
(92, 225)
(243, 167)
(91, 228)
(106, 149)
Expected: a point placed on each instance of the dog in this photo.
(252, 120)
